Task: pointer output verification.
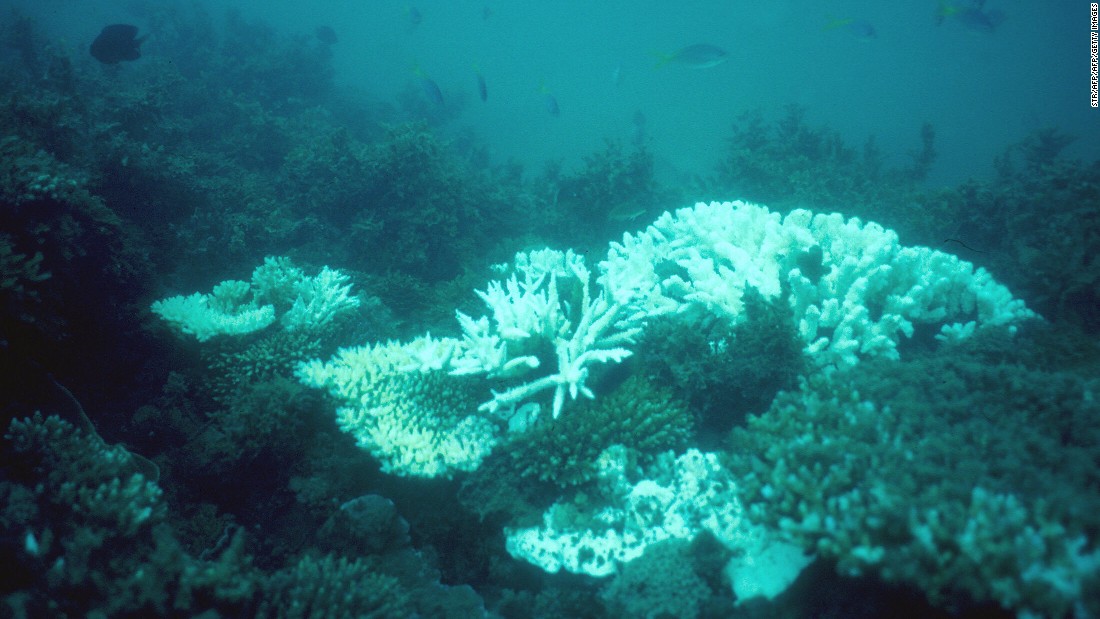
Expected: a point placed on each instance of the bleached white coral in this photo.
(205, 316)
(319, 299)
(675, 498)
(278, 287)
(853, 288)
(551, 308)
(414, 417)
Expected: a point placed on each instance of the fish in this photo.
(699, 56)
(971, 16)
(549, 100)
(414, 17)
(325, 34)
(551, 103)
(116, 43)
(428, 85)
(431, 90)
(859, 28)
(639, 122)
(482, 90)
(626, 212)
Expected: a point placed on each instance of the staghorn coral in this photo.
(522, 476)
(411, 204)
(787, 162)
(60, 242)
(534, 322)
(724, 371)
(614, 190)
(19, 279)
(1037, 225)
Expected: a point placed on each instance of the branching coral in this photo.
(963, 477)
(639, 414)
(237, 307)
(531, 315)
(333, 586)
(93, 534)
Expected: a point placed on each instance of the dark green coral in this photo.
(333, 587)
(966, 473)
(723, 371)
(93, 538)
(639, 414)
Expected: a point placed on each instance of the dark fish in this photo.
(326, 35)
(482, 89)
(414, 18)
(431, 90)
(980, 21)
(862, 29)
(549, 100)
(116, 43)
(971, 16)
(639, 121)
(551, 104)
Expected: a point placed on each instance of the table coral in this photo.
(415, 418)
(235, 307)
(853, 288)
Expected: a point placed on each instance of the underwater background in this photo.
(549, 309)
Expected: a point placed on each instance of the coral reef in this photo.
(638, 414)
(331, 586)
(853, 289)
(662, 582)
(724, 369)
(614, 190)
(788, 162)
(304, 303)
(970, 478)
(532, 318)
(675, 498)
(403, 408)
(920, 431)
(93, 538)
(1035, 225)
